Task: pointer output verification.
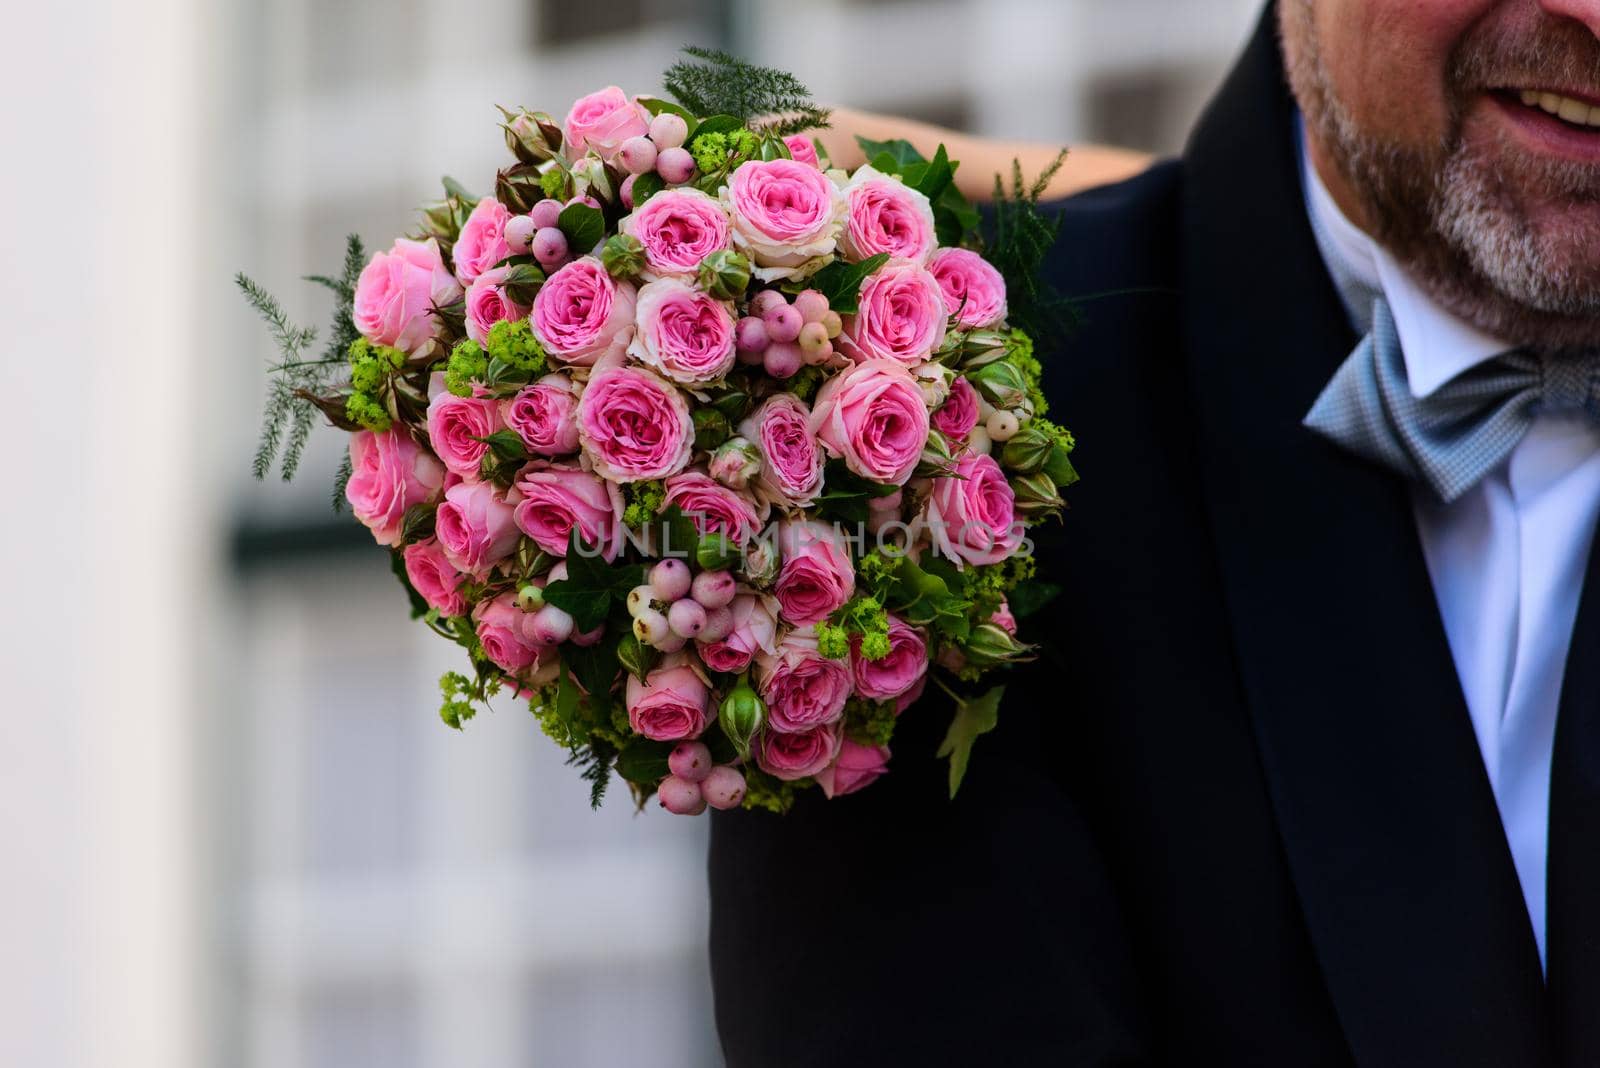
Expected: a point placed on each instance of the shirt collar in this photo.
(1436, 344)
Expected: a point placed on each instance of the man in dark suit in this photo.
(1312, 776)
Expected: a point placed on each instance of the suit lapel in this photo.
(1387, 817)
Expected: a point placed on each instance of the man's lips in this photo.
(1552, 123)
(1578, 108)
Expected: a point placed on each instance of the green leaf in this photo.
(655, 106)
(455, 189)
(644, 762)
(583, 225)
(417, 523)
(507, 445)
(841, 282)
(682, 535)
(933, 178)
(397, 563)
(846, 493)
(974, 717)
(954, 216)
(715, 124)
(1059, 468)
(646, 186)
(899, 152)
(591, 585)
(595, 668)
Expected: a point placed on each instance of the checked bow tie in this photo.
(1456, 435)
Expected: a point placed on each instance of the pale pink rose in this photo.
(634, 426)
(434, 578)
(911, 696)
(802, 688)
(397, 292)
(475, 526)
(959, 413)
(678, 228)
(715, 508)
(802, 149)
(545, 415)
(856, 766)
(755, 631)
(454, 426)
(795, 756)
(682, 332)
(558, 497)
(507, 634)
(974, 292)
(1003, 619)
(873, 416)
(901, 316)
(785, 214)
(487, 304)
(971, 514)
(886, 215)
(817, 577)
(602, 121)
(791, 457)
(580, 313)
(672, 703)
(896, 673)
(389, 472)
(482, 243)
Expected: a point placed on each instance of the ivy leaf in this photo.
(584, 226)
(974, 717)
(595, 668)
(841, 282)
(506, 444)
(1026, 598)
(591, 584)
(682, 536)
(933, 178)
(846, 493)
(644, 762)
(646, 186)
(898, 153)
(715, 124)
(954, 216)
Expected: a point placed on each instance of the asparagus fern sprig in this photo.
(1023, 236)
(775, 102)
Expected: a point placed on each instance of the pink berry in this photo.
(719, 624)
(650, 627)
(637, 155)
(671, 643)
(668, 130)
(765, 301)
(519, 232)
(551, 626)
(690, 761)
(686, 617)
(670, 578)
(814, 338)
(812, 305)
(783, 324)
(549, 246)
(782, 360)
(714, 589)
(675, 165)
(588, 637)
(753, 359)
(626, 191)
(545, 213)
(586, 200)
(834, 324)
(680, 796)
(723, 788)
(752, 334)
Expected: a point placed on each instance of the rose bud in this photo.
(549, 246)
(690, 761)
(762, 562)
(723, 274)
(622, 256)
(1035, 496)
(723, 788)
(675, 165)
(715, 552)
(639, 599)
(686, 617)
(783, 322)
(782, 359)
(714, 589)
(650, 627)
(751, 335)
(668, 130)
(1027, 450)
(1001, 384)
(719, 624)
(551, 626)
(811, 305)
(989, 646)
(637, 155)
(735, 463)
(680, 796)
(670, 579)
(519, 233)
(525, 135)
(742, 715)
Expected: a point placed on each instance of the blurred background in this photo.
(233, 831)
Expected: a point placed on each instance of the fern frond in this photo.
(593, 762)
(340, 481)
(724, 84)
(1023, 237)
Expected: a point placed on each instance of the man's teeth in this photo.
(1565, 107)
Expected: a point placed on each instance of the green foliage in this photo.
(468, 363)
(974, 717)
(593, 761)
(1023, 236)
(591, 585)
(766, 791)
(584, 226)
(1026, 598)
(462, 695)
(644, 500)
(512, 345)
(721, 84)
(845, 493)
(870, 722)
(841, 282)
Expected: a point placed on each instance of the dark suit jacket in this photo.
(1241, 818)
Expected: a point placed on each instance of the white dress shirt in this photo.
(1507, 558)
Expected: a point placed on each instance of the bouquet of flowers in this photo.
(711, 453)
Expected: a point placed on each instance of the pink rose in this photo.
(886, 215)
(557, 497)
(714, 507)
(634, 426)
(855, 767)
(794, 756)
(896, 673)
(454, 426)
(785, 214)
(488, 304)
(475, 526)
(901, 316)
(602, 121)
(482, 243)
(397, 292)
(874, 417)
(791, 458)
(971, 514)
(974, 291)
(754, 631)
(545, 415)
(959, 413)
(682, 332)
(389, 472)
(816, 578)
(1003, 619)
(672, 703)
(802, 150)
(580, 312)
(433, 577)
(507, 634)
(911, 696)
(802, 688)
(678, 228)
